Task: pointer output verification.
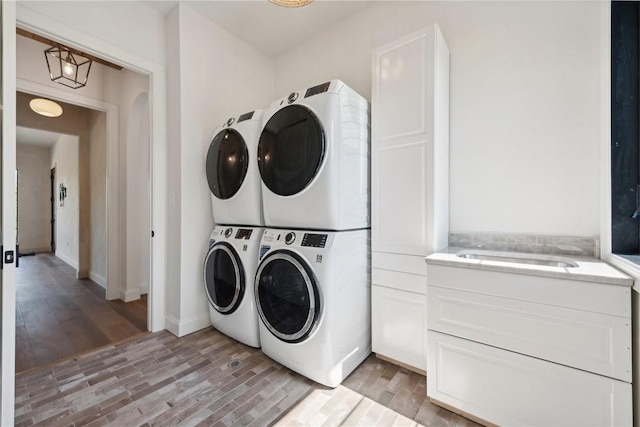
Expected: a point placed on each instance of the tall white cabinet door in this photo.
(410, 127)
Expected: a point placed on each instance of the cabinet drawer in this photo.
(507, 388)
(399, 325)
(576, 294)
(593, 342)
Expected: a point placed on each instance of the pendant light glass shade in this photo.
(291, 3)
(45, 107)
(67, 68)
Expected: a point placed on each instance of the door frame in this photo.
(39, 23)
(8, 159)
(52, 179)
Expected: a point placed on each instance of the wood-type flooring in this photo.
(161, 380)
(58, 316)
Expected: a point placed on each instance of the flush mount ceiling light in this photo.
(291, 3)
(45, 107)
(66, 67)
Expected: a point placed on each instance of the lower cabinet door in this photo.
(399, 325)
(507, 388)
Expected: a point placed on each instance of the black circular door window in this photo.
(287, 296)
(227, 163)
(223, 278)
(290, 150)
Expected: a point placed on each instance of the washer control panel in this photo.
(274, 238)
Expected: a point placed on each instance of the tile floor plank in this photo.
(161, 380)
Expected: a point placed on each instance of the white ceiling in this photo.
(36, 137)
(271, 29)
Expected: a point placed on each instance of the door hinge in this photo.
(153, 233)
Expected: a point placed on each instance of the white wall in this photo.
(138, 196)
(98, 177)
(34, 207)
(227, 78)
(525, 104)
(123, 89)
(131, 25)
(64, 157)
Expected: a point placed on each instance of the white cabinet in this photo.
(519, 349)
(398, 325)
(410, 186)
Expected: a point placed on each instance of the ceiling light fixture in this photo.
(66, 67)
(291, 3)
(45, 107)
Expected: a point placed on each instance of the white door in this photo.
(8, 217)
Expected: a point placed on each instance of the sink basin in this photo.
(518, 258)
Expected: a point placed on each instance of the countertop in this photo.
(588, 269)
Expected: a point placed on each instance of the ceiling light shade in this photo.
(45, 107)
(67, 68)
(291, 3)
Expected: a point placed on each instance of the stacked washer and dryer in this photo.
(301, 287)
(232, 259)
(312, 285)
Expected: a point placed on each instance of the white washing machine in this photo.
(229, 271)
(313, 156)
(232, 171)
(313, 296)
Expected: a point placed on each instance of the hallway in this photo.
(59, 316)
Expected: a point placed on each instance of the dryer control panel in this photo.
(314, 240)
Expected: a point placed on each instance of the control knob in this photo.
(289, 238)
(292, 97)
(227, 232)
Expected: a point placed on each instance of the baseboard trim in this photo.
(128, 295)
(34, 250)
(67, 260)
(102, 281)
(189, 326)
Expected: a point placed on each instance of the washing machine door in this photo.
(290, 150)
(224, 279)
(287, 296)
(227, 163)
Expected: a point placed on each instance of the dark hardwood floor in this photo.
(161, 380)
(59, 316)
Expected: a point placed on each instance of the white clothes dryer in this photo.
(232, 171)
(229, 269)
(313, 157)
(313, 294)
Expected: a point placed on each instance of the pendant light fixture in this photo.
(67, 68)
(291, 3)
(45, 107)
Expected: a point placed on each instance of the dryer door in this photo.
(287, 296)
(223, 278)
(290, 150)
(227, 163)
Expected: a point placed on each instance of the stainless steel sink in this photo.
(518, 258)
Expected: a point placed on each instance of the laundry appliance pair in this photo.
(232, 257)
(301, 166)
(312, 286)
